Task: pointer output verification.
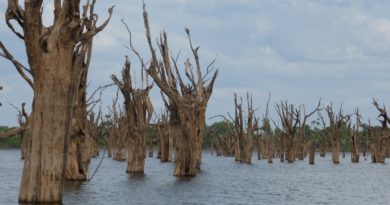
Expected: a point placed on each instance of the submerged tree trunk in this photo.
(336, 152)
(323, 148)
(164, 133)
(258, 143)
(42, 179)
(188, 101)
(79, 142)
(51, 53)
(290, 150)
(138, 110)
(151, 145)
(312, 152)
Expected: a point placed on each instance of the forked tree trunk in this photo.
(51, 53)
(138, 109)
(188, 101)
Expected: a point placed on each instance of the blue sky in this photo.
(299, 50)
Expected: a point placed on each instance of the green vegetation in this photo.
(217, 129)
(11, 142)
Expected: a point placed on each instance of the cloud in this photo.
(297, 50)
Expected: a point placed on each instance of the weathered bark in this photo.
(189, 101)
(290, 120)
(302, 142)
(164, 135)
(244, 135)
(335, 124)
(51, 56)
(354, 134)
(79, 142)
(382, 139)
(138, 109)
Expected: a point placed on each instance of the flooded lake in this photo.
(221, 181)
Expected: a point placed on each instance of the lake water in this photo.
(221, 181)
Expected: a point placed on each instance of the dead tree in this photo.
(312, 152)
(324, 136)
(354, 134)
(265, 140)
(164, 133)
(117, 132)
(22, 130)
(138, 110)
(52, 53)
(152, 138)
(383, 138)
(302, 141)
(289, 117)
(190, 100)
(335, 124)
(244, 134)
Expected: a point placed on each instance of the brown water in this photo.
(221, 181)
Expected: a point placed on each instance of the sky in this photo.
(297, 50)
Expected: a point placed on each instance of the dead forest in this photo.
(68, 126)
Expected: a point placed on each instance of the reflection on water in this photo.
(221, 181)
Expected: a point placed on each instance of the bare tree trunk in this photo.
(188, 101)
(355, 149)
(164, 132)
(290, 150)
(336, 152)
(151, 144)
(138, 110)
(323, 148)
(312, 154)
(258, 143)
(51, 53)
(270, 150)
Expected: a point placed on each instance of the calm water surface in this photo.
(221, 181)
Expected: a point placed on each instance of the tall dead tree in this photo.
(244, 130)
(289, 117)
(52, 54)
(336, 122)
(354, 134)
(302, 141)
(190, 100)
(139, 110)
(268, 136)
(383, 138)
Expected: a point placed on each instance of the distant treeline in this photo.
(220, 129)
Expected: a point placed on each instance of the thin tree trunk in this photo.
(312, 154)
